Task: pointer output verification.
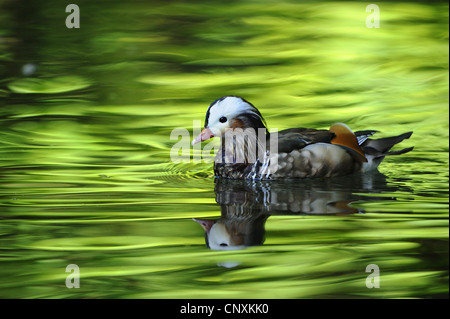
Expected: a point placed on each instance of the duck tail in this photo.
(376, 150)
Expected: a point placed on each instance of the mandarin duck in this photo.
(249, 151)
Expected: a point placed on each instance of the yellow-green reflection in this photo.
(85, 172)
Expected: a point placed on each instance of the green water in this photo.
(85, 171)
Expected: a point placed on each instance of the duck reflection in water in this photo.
(246, 205)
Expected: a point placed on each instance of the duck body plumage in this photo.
(249, 151)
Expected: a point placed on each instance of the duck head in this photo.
(229, 112)
(228, 233)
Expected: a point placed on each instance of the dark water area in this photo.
(86, 175)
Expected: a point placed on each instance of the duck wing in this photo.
(362, 136)
(297, 138)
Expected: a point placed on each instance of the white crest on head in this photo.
(228, 107)
(219, 238)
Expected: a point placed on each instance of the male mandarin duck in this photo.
(249, 151)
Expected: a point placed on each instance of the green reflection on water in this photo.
(85, 171)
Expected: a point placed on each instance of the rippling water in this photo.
(85, 171)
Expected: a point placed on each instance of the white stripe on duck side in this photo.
(316, 160)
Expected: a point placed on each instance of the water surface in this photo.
(85, 170)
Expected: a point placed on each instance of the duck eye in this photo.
(223, 119)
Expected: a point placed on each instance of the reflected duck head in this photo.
(232, 234)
